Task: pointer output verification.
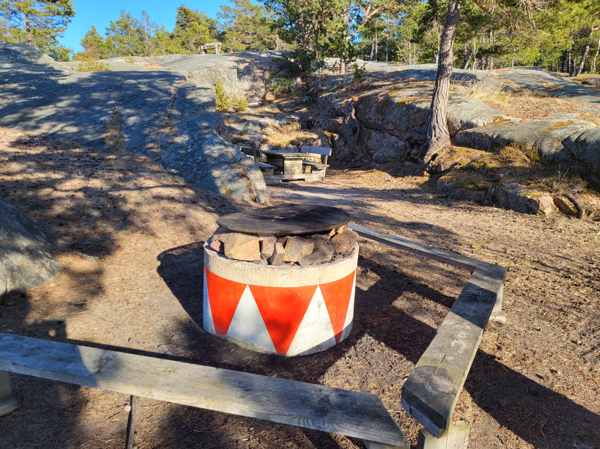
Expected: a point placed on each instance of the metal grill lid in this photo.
(289, 219)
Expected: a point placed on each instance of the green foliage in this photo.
(95, 46)
(129, 60)
(128, 36)
(360, 73)
(37, 23)
(240, 104)
(245, 26)
(281, 84)
(192, 29)
(222, 100)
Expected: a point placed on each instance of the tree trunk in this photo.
(438, 136)
(376, 46)
(28, 30)
(491, 67)
(586, 50)
(387, 40)
(466, 57)
(596, 57)
(569, 63)
(409, 53)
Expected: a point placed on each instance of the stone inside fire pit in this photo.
(281, 279)
(303, 235)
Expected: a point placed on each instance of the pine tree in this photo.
(39, 24)
(129, 36)
(193, 28)
(95, 46)
(245, 26)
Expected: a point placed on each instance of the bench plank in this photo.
(349, 413)
(433, 387)
(315, 164)
(324, 151)
(457, 260)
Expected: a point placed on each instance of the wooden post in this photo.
(8, 402)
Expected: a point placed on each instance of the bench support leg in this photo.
(8, 402)
(498, 316)
(373, 445)
(456, 437)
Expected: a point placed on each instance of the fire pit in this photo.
(281, 279)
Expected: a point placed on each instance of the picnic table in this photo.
(284, 165)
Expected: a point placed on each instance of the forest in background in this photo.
(558, 35)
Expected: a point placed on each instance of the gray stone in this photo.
(405, 111)
(324, 253)
(156, 112)
(297, 248)
(581, 154)
(24, 54)
(382, 147)
(278, 254)
(516, 197)
(239, 246)
(345, 241)
(544, 136)
(267, 245)
(26, 259)
(563, 206)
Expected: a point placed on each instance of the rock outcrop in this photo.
(26, 259)
(543, 136)
(159, 113)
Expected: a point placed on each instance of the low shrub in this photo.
(93, 65)
(222, 100)
(240, 104)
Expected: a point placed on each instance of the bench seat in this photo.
(349, 413)
(315, 164)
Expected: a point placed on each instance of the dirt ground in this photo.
(131, 250)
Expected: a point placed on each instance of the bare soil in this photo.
(131, 249)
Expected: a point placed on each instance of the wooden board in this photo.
(349, 413)
(315, 164)
(288, 219)
(325, 151)
(432, 389)
(315, 176)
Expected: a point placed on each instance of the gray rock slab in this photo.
(581, 153)
(24, 54)
(157, 112)
(594, 82)
(544, 136)
(406, 111)
(26, 259)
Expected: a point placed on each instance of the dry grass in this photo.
(484, 90)
(523, 103)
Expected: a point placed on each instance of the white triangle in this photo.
(248, 326)
(315, 332)
(207, 318)
(350, 313)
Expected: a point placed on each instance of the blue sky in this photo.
(100, 13)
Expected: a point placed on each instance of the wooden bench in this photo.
(349, 413)
(216, 46)
(318, 168)
(290, 168)
(255, 153)
(432, 389)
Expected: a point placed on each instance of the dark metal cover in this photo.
(289, 219)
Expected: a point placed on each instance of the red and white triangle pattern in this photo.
(283, 320)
